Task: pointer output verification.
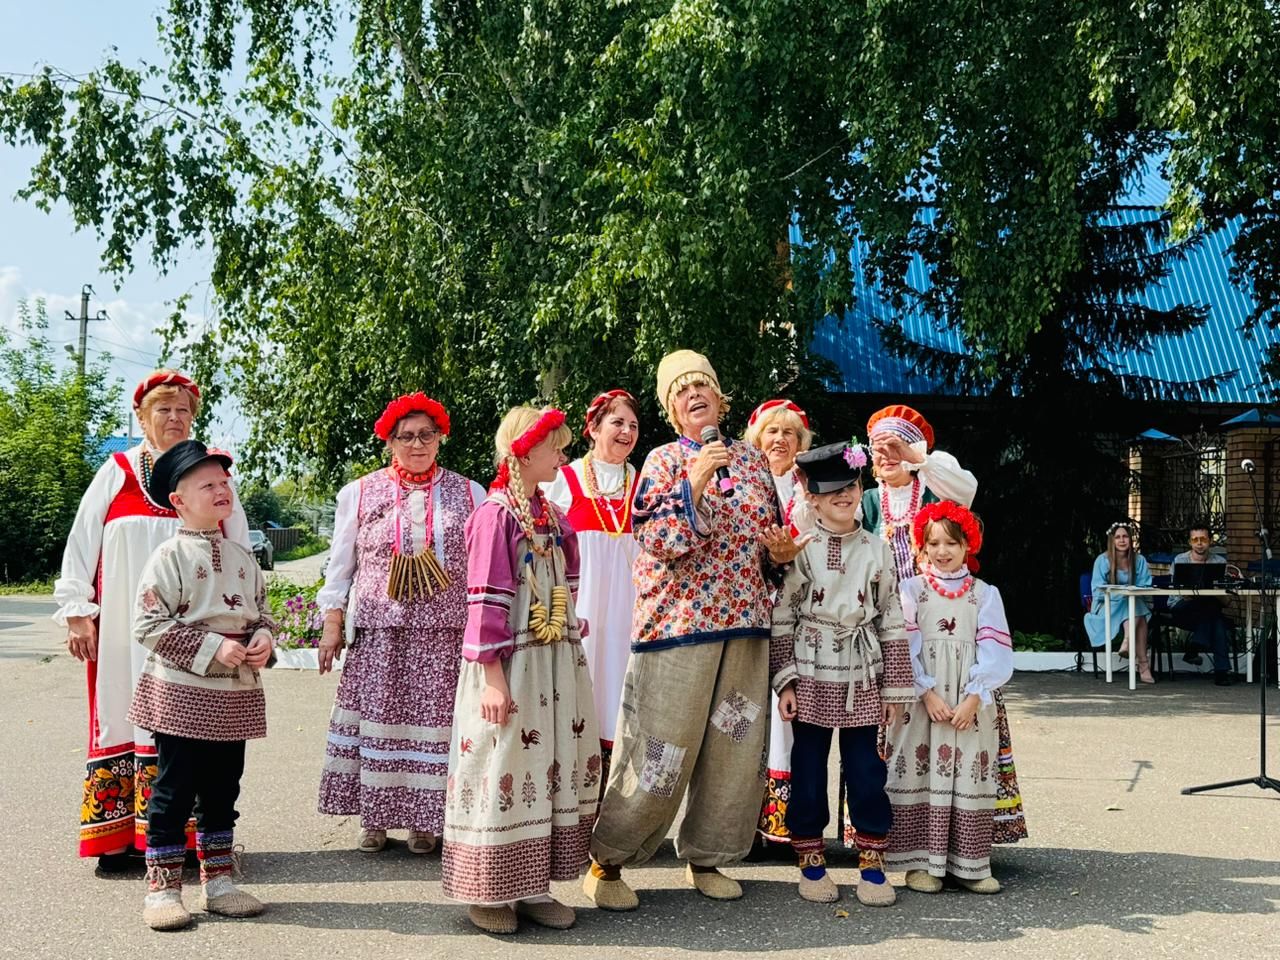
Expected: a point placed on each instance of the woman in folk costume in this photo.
(524, 762)
(595, 494)
(911, 473)
(696, 688)
(116, 529)
(396, 585)
(780, 430)
(943, 755)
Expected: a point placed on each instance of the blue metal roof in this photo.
(113, 445)
(1202, 277)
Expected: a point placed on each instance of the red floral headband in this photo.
(602, 402)
(401, 407)
(163, 378)
(962, 516)
(547, 423)
(768, 405)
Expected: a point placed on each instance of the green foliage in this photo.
(262, 505)
(294, 608)
(52, 424)
(308, 546)
(1036, 642)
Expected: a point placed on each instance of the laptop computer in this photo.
(1197, 576)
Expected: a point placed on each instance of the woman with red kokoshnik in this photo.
(524, 762)
(395, 598)
(595, 494)
(117, 528)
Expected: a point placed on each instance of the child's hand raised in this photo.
(963, 716)
(258, 652)
(231, 653)
(787, 708)
(939, 712)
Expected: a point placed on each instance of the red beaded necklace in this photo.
(942, 591)
(408, 477)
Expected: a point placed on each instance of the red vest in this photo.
(131, 501)
(585, 515)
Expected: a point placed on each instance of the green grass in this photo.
(26, 586)
(305, 548)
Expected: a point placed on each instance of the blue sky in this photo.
(42, 255)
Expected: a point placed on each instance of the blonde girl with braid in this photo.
(524, 761)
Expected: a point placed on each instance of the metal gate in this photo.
(1182, 482)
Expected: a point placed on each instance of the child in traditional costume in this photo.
(202, 613)
(943, 756)
(839, 661)
(524, 761)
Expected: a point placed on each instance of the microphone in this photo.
(711, 434)
(1247, 466)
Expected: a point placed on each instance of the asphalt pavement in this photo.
(1119, 863)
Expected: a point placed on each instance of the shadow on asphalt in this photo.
(1045, 889)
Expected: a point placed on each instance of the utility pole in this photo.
(83, 320)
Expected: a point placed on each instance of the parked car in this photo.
(263, 552)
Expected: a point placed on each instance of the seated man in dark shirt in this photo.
(1202, 616)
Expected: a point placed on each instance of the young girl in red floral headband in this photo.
(524, 762)
(943, 756)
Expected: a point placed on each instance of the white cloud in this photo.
(129, 335)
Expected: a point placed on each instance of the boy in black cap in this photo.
(839, 660)
(202, 614)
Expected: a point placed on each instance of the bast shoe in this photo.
(222, 896)
(609, 893)
(371, 841)
(547, 913)
(922, 881)
(164, 910)
(711, 883)
(986, 885)
(499, 920)
(421, 842)
(821, 890)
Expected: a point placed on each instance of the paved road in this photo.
(1119, 864)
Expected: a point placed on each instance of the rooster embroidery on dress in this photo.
(530, 738)
(578, 726)
(948, 626)
(819, 595)
(233, 601)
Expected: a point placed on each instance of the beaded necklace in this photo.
(529, 524)
(412, 478)
(932, 580)
(594, 495)
(146, 466)
(888, 522)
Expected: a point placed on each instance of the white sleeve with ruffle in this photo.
(74, 588)
(342, 551)
(995, 648)
(943, 475)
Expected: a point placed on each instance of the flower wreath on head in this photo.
(601, 402)
(547, 423)
(401, 407)
(962, 516)
(1120, 525)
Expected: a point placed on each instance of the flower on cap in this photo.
(855, 454)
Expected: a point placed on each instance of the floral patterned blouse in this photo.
(700, 576)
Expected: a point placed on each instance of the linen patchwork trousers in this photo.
(693, 718)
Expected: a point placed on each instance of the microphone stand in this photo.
(1262, 781)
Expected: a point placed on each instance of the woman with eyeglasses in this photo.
(395, 595)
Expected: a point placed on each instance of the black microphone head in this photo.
(710, 434)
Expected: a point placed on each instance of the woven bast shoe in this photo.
(499, 920)
(609, 892)
(821, 890)
(222, 896)
(371, 841)
(874, 889)
(985, 885)
(164, 910)
(547, 913)
(712, 883)
(922, 881)
(421, 842)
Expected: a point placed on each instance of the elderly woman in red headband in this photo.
(780, 429)
(595, 493)
(395, 592)
(116, 529)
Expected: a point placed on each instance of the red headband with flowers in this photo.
(768, 405)
(601, 403)
(164, 378)
(401, 407)
(546, 424)
(962, 516)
